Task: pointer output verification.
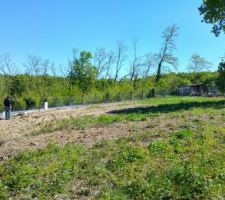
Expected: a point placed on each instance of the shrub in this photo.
(30, 103)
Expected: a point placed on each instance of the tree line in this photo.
(105, 75)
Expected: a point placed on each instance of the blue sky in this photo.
(51, 28)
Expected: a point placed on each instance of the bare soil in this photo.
(15, 134)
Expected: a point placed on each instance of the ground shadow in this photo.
(165, 108)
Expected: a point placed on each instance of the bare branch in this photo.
(166, 51)
(100, 59)
(33, 65)
(7, 67)
(111, 59)
(120, 58)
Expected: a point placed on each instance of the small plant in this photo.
(182, 134)
(159, 147)
(126, 155)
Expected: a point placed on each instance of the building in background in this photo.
(196, 90)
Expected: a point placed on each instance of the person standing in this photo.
(8, 107)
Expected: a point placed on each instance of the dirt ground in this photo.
(15, 134)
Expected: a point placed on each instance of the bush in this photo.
(30, 103)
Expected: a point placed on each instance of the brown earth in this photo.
(15, 133)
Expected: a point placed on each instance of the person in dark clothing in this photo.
(8, 107)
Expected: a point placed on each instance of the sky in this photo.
(52, 28)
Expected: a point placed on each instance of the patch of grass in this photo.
(41, 173)
(88, 121)
(177, 100)
(157, 147)
(186, 165)
(183, 163)
(171, 105)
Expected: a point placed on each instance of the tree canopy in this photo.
(213, 12)
(83, 73)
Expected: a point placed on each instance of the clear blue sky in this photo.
(51, 28)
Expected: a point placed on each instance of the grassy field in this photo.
(175, 150)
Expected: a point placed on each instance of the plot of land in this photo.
(162, 148)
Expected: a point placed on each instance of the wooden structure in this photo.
(194, 90)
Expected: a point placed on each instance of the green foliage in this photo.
(83, 73)
(126, 156)
(18, 86)
(221, 78)
(182, 134)
(60, 92)
(213, 12)
(89, 121)
(30, 103)
(158, 106)
(41, 173)
(157, 147)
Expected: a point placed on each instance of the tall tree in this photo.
(166, 55)
(70, 70)
(148, 64)
(213, 12)
(83, 72)
(120, 58)
(111, 58)
(135, 64)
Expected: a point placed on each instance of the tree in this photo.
(221, 77)
(83, 73)
(148, 65)
(135, 64)
(100, 59)
(33, 65)
(33, 68)
(46, 67)
(198, 64)
(213, 12)
(7, 69)
(18, 86)
(111, 58)
(120, 58)
(165, 55)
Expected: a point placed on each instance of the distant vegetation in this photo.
(104, 75)
(31, 91)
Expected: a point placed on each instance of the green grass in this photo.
(186, 163)
(177, 100)
(153, 107)
(89, 121)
